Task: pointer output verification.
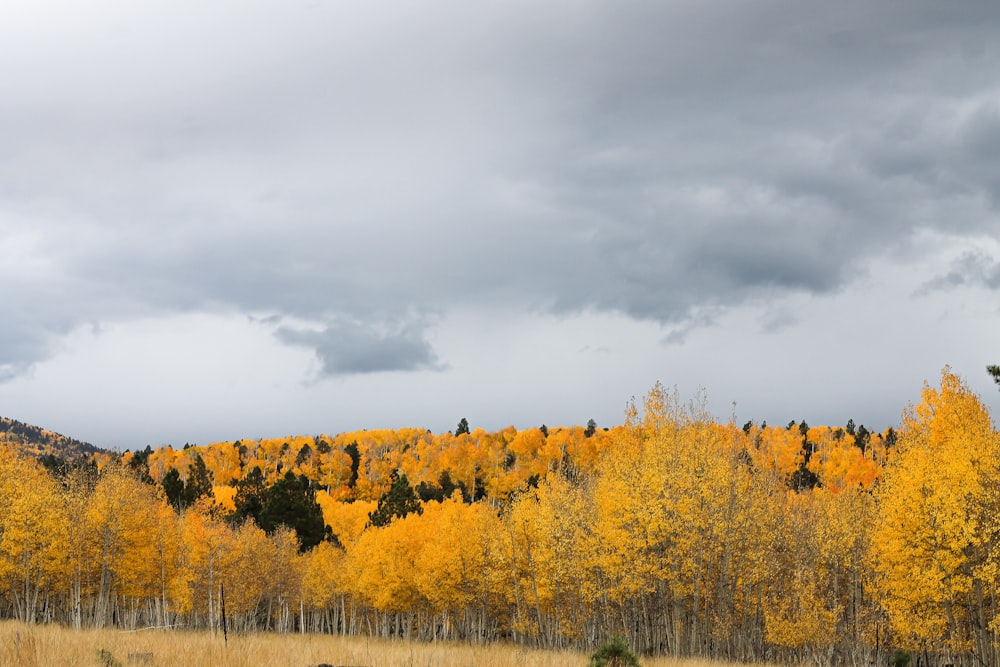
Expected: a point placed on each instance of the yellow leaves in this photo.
(800, 617)
(433, 561)
(382, 564)
(548, 528)
(346, 520)
(935, 499)
(452, 561)
(780, 449)
(34, 526)
(225, 496)
(119, 513)
(322, 580)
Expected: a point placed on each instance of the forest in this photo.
(684, 535)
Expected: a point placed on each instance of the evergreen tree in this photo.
(173, 488)
(199, 481)
(352, 451)
(614, 653)
(862, 438)
(591, 429)
(251, 494)
(140, 464)
(440, 491)
(305, 453)
(803, 479)
(292, 502)
(398, 501)
(181, 494)
(463, 427)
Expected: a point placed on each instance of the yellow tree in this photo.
(284, 567)
(208, 544)
(549, 532)
(381, 567)
(243, 568)
(931, 546)
(34, 529)
(323, 587)
(452, 574)
(683, 520)
(119, 514)
(814, 601)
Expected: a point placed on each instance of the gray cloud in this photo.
(337, 164)
(972, 269)
(352, 348)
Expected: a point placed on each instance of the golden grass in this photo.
(35, 646)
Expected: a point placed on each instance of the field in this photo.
(30, 646)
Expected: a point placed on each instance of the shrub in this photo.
(614, 653)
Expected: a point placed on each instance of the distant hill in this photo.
(36, 441)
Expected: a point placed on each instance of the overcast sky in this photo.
(237, 218)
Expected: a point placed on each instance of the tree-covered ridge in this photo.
(37, 441)
(491, 466)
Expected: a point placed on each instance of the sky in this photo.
(234, 219)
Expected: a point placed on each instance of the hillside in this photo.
(36, 441)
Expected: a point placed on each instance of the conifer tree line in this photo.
(684, 535)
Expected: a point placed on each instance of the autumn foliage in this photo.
(679, 534)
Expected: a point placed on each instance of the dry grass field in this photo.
(35, 646)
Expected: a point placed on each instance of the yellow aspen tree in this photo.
(284, 567)
(165, 538)
(496, 464)
(119, 513)
(245, 572)
(813, 594)
(34, 529)
(779, 449)
(223, 460)
(322, 583)
(382, 565)
(346, 520)
(934, 504)
(550, 531)
(208, 544)
(82, 553)
(526, 446)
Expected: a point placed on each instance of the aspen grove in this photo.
(684, 535)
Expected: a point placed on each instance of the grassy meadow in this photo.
(30, 646)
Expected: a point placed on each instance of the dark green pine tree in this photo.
(463, 427)
(181, 494)
(199, 482)
(352, 451)
(994, 372)
(140, 464)
(398, 501)
(173, 487)
(614, 653)
(251, 494)
(862, 438)
(292, 502)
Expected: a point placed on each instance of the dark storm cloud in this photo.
(337, 163)
(351, 348)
